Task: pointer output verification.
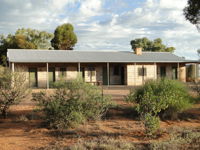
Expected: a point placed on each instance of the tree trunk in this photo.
(4, 113)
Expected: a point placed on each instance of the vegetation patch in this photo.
(180, 139)
(13, 88)
(165, 98)
(72, 103)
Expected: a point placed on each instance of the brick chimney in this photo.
(138, 51)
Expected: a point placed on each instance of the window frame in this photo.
(142, 71)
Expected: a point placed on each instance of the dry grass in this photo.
(120, 127)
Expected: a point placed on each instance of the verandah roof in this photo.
(64, 56)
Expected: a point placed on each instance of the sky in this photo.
(106, 24)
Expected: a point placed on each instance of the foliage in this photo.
(64, 37)
(24, 39)
(196, 87)
(151, 123)
(100, 143)
(40, 39)
(192, 12)
(156, 45)
(13, 88)
(73, 102)
(180, 138)
(162, 96)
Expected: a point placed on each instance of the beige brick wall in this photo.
(132, 73)
(182, 73)
(42, 77)
(98, 74)
(71, 73)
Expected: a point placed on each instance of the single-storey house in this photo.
(131, 68)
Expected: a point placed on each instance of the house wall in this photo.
(133, 78)
(97, 76)
(152, 72)
(71, 72)
(182, 73)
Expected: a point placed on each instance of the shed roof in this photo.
(62, 56)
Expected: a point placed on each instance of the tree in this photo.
(24, 39)
(41, 39)
(192, 12)
(64, 37)
(148, 45)
(10, 93)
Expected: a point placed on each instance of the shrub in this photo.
(181, 139)
(100, 143)
(151, 124)
(197, 87)
(13, 88)
(72, 103)
(166, 97)
(103, 143)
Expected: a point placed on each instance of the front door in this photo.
(33, 77)
(162, 71)
(105, 76)
(52, 78)
(174, 73)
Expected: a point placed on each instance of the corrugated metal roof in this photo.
(61, 56)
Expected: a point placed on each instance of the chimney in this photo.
(138, 51)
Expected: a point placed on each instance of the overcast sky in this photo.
(106, 24)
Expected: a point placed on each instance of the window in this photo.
(142, 71)
(91, 71)
(62, 72)
(116, 70)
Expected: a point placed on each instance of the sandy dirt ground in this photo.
(19, 134)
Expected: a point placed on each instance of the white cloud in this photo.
(106, 24)
(90, 8)
(173, 4)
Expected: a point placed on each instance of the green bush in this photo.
(151, 124)
(73, 103)
(162, 97)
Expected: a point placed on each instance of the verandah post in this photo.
(13, 67)
(108, 73)
(178, 70)
(47, 65)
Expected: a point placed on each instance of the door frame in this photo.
(35, 70)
